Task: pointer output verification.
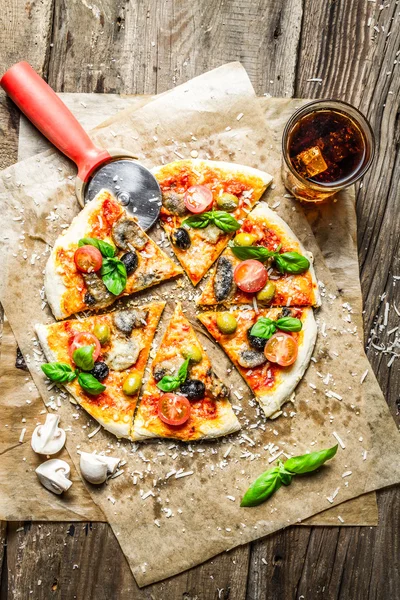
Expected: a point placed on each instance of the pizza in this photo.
(104, 254)
(101, 360)
(183, 398)
(271, 349)
(239, 278)
(203, 203)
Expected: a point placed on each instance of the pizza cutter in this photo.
(114, 169)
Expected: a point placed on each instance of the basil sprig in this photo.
(287, 262)
(220, 218)
(90, 384)
(106, 249)
(60, 372)
(169, 383)
(113, 274)
(269, 482)
(83, 358)
(265, 327)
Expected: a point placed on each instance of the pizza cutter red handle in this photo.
(49, 114)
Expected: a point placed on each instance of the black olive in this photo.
(131, 261)
(181, 238)
(193, 389)
(285, 312)
(100, 371)
(258, 343)
(89, 299)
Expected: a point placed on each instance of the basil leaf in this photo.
(309, 462)
(257, 252)
(198, 221)
(60, 372)
(264, 328)
(262, 488)
(83, 357)
(113, 274)
(224, 221)
(169, 383)
(105, 248)
(183, 371)
(289, 324)
(90, 384)
(291, 262)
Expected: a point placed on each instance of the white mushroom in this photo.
(95, 468)
(54, 475)
(48, 438)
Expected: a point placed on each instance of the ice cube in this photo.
(310, 162)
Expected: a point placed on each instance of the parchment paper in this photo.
(204, 520)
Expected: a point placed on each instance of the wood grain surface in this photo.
(146, 47)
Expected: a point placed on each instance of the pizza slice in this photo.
(287, 277)
(203, 202)
(271, 349)
(103, 255)
(101, 360)
(183, 398)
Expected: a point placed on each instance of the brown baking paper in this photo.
(204, 521)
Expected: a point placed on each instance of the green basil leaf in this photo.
(291, 262)
(224, 221)
(264, 328)
(183, 371)
(60, 372)
(198, 221)
(307, 463)
(289, 324)
(169, 383)
(105, 248)
(83, 357)
(262, 488)
(113, 274)
(90, 384)
(257, 252)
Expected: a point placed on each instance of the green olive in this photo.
(228, 202)
(132, 384)
(226, 322)
(267, 293)
(245, 239)
(102, 332)
(193, 353)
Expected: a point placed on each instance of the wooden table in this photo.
(305, 48)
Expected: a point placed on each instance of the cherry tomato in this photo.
(84, 339)
(250, 275)
(281, 348)
(198, 199)
(88, 259)
(173, 409)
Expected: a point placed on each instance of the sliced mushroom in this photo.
(223, 280)
(251, 358)
(96, 293)
(215, 387)
(126, 234)
(129, 319)
(123, 353)
(211, 234)
(48, 439)
(174, 203)
(95, 468)
(54, 475)
(169, 366)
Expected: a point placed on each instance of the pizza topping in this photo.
(85, 339)
(174, 203)
(265, 327)
(228, 202)
(106, 249)
(100, 371)
(181, 239)
(251, 358)
(123, 354)
(170, 383)
(267, 293)
(193, 389)
(83, 357)
(90, 384)
(198, 198)
(286, 262)
(211, 234)
(215, 387)
(192, 352)
(244, 239)
(282, 349)
(258, 343)
(167, 367)
(127, 233)
(102, 332)
(129, 319)
(97, 293)
(226, 322)
(173, 409)
(223, 280)
(250, 276)
(131, 261)
(88, 259)
(113, 274)
(220, 218)
(132, 384)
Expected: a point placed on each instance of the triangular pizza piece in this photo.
(121, 342)
(271, 383)
(192, 408)
(263, 228)
(228, 187)
(69, 289)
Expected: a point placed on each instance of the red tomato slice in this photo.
(198, 198)
(174, 409)
(88, 259)
(84, 339)
(281, 348)
(250, 275)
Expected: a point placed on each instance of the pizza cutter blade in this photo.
(114, 169)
